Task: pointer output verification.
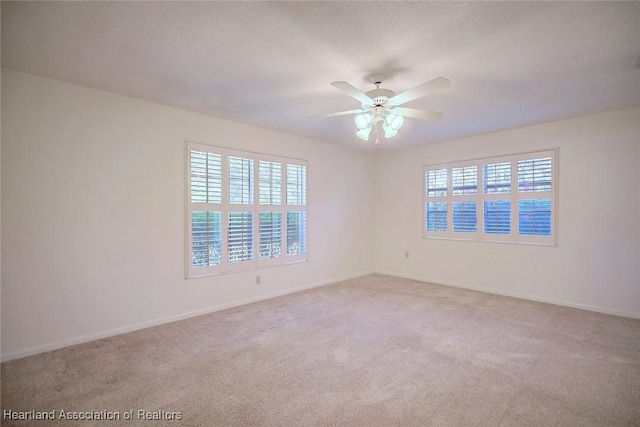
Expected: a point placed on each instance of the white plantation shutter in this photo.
(240, 209)
(534, 175)
(271, 221)
(497, 185)
(296, 233)
(240, 181)
(497, 216)
(270, 177)
(244, 210)
(464, 216)
(205, 204)
(497, 178)
(436, 206)
(296, 185)
(464, 180)
(464, 187)
(436, 183)
(436, 216)
(516, 204)
(270, 230)
(296, 212)
(535, 197)
(240, 236)
(206, 240)
(206, 177)
(534, 217)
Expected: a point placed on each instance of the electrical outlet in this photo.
(257, 280)
(406, 254)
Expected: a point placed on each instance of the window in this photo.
(245, 210)
(503, 199)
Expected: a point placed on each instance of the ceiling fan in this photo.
(384, 106)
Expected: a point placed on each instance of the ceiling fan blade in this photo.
(420, 91)
(416, 114)
(352, 91)
(339, 113)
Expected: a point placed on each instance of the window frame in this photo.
(514, 196)
(226, 207)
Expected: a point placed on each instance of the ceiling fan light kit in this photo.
(383, 105)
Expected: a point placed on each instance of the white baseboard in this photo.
(4, 357)
(143, 325)
(604, 310)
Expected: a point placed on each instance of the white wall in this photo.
(596, 263)
(93, 214)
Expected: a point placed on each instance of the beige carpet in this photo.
(373, 351)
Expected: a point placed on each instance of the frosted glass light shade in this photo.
(364, 133)
(362, 121)
(389, 131)
(397, 122)
(394, 121)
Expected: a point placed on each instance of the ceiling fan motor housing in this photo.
(380, 97)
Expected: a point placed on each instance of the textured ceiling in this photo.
(270, 64)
